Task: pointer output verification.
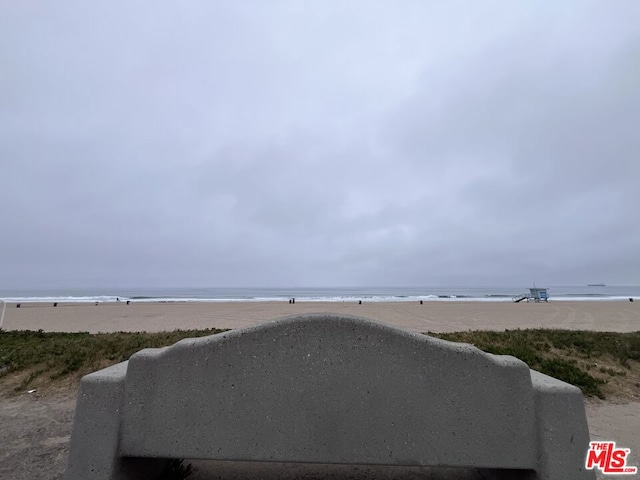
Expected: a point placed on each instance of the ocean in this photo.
(328, 294)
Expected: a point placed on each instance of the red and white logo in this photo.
(609, 459)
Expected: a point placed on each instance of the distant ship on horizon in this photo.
(596, 285)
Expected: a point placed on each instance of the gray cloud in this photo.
(319, 143)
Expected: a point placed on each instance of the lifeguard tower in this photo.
(538, 294)
(535, 294)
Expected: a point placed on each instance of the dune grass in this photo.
(55, 355)
(589, 360)
(599, 363)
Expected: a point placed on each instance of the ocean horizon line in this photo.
(313, 294)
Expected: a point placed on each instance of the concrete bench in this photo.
(330, 390)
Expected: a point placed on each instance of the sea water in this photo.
(315, 294)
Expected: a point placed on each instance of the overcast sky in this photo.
(319, 143)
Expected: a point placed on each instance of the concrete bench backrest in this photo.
(330, 389)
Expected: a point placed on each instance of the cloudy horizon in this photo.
(319, 143)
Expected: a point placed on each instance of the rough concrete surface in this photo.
(35, 432)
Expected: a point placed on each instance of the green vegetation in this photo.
(176, 470)
(598, 362)
(564, 354)
(58, 355)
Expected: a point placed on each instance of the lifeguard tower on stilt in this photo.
(535, 294)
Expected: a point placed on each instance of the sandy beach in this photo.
(615, 316)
